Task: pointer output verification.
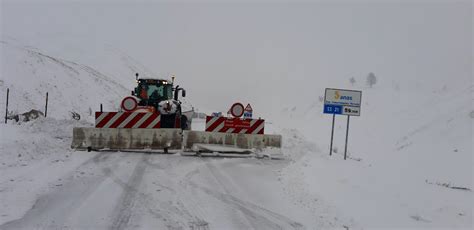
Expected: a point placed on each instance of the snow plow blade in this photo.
(199, 141)
(126, 139)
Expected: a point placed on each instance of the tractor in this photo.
(158, 95)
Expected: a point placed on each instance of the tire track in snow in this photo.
(172, 213)
(178, 211)
(257, 216)
(192, 203)
(41, 167)
(128, 198)
(51, 210)
(170, 208)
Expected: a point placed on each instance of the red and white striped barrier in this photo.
(234, 125)
(127, 120)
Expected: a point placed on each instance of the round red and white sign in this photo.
(129, 104)
(237, 110)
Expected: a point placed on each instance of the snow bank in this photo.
(46, 136)
(34, 157)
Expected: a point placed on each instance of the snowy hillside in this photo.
(72, 87)
(410, 161)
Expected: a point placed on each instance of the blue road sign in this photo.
(217, 114)
(247, 115)
(342, 102)
(332, 109)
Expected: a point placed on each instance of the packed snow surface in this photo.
(52, 186)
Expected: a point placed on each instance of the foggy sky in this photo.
(266, 53)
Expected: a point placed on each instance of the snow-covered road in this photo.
(156, 191)
(44, 184)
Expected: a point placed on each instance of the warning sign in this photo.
(234, 125)
(248, 111)
(248, 108)
(237, 110)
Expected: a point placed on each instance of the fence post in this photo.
(6, 110)
(46, 106)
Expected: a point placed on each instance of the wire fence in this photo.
(6, 105)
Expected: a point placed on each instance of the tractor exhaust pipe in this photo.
(176, 92)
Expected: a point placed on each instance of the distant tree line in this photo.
(371, 80)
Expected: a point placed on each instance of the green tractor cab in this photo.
(163, 97)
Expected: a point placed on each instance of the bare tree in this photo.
(321, 98)
(371, 79)
(352, 80)
(395, 85)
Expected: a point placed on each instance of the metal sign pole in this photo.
(347, 136)
(6, 110)
(332, 133)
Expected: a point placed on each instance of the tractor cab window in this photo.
(160, 92)
(155, 92)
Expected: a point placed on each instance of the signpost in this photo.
(248, 111)
(342, 102)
